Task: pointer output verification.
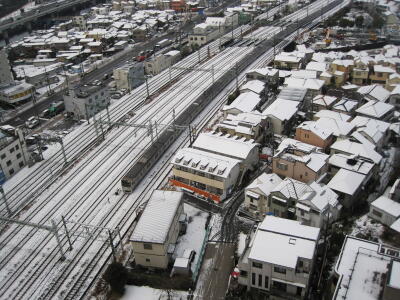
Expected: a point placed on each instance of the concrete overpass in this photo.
(32, 15)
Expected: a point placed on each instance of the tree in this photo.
(377, 22)
(359, 21)
(116, 276)
(185, 51)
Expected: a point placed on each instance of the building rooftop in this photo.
(255, 86)
(387, 205)
(292, 188)
(323, 132)
(332, 114)
(348, 146)
(245, 102)
(293, 94)
(347, 182)
(265, 183)
(282, 109)
(375, 109)
(351, 163)
(338, 127)
(155, 221)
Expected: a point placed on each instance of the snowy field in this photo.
(147, 293)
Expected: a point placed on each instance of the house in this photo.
(312, 86)
(342, 65)
(393, 81)
(345, 106)
(339, 78)
(360, 75)
(285, 61)
(375, 131)
(366, 270)
(319, 67)
(394, 98)
(299, 161)
(376, 110)
(203, 33)
(351, 147)
(352, 163)
(154, 237)
(157, 64)
(310, 132)
(338, 116)
(319, 208)
(339, 128)
(207, 174)
(280, 258)
(347, 184)
(384, 210)
(394, 192)
(84, 101)
(268, 75)
(17, 92)
(13, 153)
(381, 74)
(257, 193)
(321, 102)
(246, 151)
(326, 77)
(374, 92)
(281, 114)
(245, 125)
(255, 86)
(244, 103)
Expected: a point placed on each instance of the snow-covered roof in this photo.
(265, 71)
(293, 94)
(205, 162)
(323, 132)
(304, 74)
(310, 84)
(287, 58)
(245, 102)
(282, 109)
(255, 86)
(324, 100)
(282, 242)
(292, 188)
(351, 163)
(155, 221)
(338, 127)
(323, 197)
(375, 109)
(396, 225)
(349, 147)
(345, 105)
(316, 66)
(374, 92)
(387, 205)
(224, 145)
(332, 115)
(394, 276)
(360, 267)
(347, 182)
(264, 183)
(383, 69)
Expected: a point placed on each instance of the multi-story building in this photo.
(129, 76)
(310, 132)
(381, 74)
(84, 101)
(360, 76)
(299, 161)
(204, 33)
(154, 237)
(157, 64)
(210, 175)
(13, 153)
(280, 259)
(6, 77)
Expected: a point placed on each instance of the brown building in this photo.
(310, 133)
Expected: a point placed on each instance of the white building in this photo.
(280, 114)
(154, 237)
(279, 259)
(159, 63)
(13, 153)
(86, 100)
(385, 210)
(129, 76)
(244, 103)
(17, 92)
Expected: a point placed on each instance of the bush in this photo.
(116, 276)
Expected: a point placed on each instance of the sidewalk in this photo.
(215, 271)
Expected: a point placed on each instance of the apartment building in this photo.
(210, 175)
(129, 76)
(381, 74)
(280, 258)
(154, 237)
(157, 64)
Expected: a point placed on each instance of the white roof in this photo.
(287, 58)
(292, 188)
(360, 267)
(383, 69)
(282, 109)
(368, 124)
(156, 219)
(346, 181)
(224, 145)
(375, 109)
(356, 163)
(264, 183)
(323, 197)
(265, 71)
(304, 74)
(181, 262)
(387, 205)
(281, 242)
(245, 102)
(311, 84)
(316, 66)
(205, 162)
(338, 127)
(345, 105)
(350, 147)
(374, 92)
(332, 114)
(255, 86)
(322, 132)
(324, 100)
(396, 225)
(394, 277)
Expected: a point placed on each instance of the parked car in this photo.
(32, 122)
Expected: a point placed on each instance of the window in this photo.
(3, 156)
(147, 259)
(257, 265)
(306, 135)
(8, 163)
(301, 212)
(243, 273)
(259, 280)
(266, 282)
(148, 246)
(11, 171)
(12, 150)
(281, 166)
(377, 213)
(279, 286)
(21, 164)
(280, 270)
(253, 278)
(299, 290)
(301, 263)
(306, 174)
(379, 74)
(16, 147)
(18, 155)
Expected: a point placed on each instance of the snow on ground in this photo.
(241, 243)
(215, 223)
(147, 293)
(367, 227)
(195, 232)
(45, 89)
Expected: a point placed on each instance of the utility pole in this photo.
(66, 233)
(5, 200)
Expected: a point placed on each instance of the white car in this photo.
(32, 122)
